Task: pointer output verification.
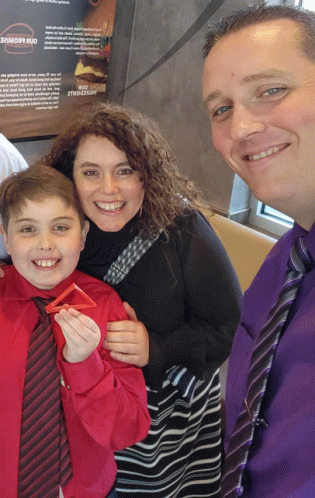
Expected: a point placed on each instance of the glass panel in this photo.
(269, 211)
(307, 4)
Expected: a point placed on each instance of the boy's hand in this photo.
(81, 333)
(128, 340)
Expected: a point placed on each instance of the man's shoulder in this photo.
(275, 263)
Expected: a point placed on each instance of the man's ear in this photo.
(5, 238)
(84, 233)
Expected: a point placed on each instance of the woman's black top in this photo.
(184, 289)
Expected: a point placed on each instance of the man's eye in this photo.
(273, 91)
(221, 110)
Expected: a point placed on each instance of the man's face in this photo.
(259, 89)
(44, 240)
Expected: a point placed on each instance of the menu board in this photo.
(54, 57)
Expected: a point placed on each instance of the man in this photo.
(259, 89)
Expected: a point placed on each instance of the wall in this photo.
(33, 150)
(148, 30)
(172, 93)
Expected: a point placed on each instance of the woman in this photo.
(182, 297)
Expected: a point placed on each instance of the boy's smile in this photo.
(44, 239)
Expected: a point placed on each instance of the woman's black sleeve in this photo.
(212, 303)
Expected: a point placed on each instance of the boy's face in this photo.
(44, 240)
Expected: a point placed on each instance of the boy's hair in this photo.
(36, 183)
(304, 20)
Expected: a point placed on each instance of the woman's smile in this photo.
(111, 207)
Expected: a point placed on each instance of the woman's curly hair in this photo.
(168, 193)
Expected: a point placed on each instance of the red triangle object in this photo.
(53, 306)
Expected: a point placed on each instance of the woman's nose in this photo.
(245, 123)
(109, 184)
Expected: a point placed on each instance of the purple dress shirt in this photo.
(281, 462)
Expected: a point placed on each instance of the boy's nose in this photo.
(46, 242)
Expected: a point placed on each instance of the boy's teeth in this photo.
(265, 153)
(45, 262)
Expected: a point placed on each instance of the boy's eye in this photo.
(27, 229)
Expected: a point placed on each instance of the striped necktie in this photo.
(44, 463)
(299, 263)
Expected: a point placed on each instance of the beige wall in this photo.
(172, 93)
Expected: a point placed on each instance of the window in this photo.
(267, 218)
(307, 4)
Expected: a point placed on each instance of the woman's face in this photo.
(110, 191)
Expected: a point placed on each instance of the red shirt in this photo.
(104, 400)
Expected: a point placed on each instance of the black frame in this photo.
(118, 65)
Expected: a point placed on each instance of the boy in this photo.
(103, 400)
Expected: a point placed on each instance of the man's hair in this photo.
(304, 20)
(167, 193)
(37, 183)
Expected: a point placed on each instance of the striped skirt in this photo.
(181, 456)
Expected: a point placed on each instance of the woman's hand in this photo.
(82, 334)
(128, 340)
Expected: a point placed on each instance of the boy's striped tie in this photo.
(44, 452)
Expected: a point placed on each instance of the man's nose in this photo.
(245, 123)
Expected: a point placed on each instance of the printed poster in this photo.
(54, 57)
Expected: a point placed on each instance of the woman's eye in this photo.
(90, 172)
(125, 172)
